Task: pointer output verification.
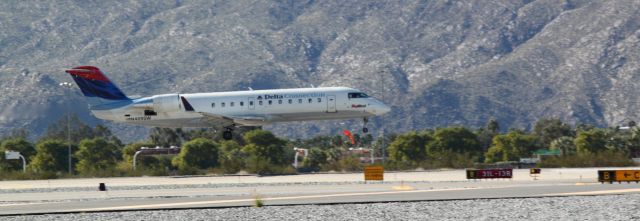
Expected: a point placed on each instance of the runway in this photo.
(148, 193)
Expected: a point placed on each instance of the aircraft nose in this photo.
(379, 108)
(384, 109)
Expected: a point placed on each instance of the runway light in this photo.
(102, 187)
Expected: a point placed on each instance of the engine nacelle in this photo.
(166, 103)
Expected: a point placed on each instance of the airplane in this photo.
(223, 110)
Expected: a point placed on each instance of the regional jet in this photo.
(223, 110)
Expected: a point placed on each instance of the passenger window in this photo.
(319, 100)
(290, 101)
(310, 100)
(279, 101)
(241, 103)
(231, 104)
(213, 105)
(270, 102)
(300, 101)
(222, 104)
(250, 103)
(260, 102)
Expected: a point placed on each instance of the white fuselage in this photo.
(249, 108)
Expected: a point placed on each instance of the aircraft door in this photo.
(252, 103)
(331, 104)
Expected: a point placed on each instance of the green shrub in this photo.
(350, 164)
(51, 156)
(199, 153)
(97, 157)
(231, 157)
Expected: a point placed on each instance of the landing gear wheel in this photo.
(227, 135)
(364, 126)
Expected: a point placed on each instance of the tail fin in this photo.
(95, 86)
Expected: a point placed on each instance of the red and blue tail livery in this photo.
(94, 84)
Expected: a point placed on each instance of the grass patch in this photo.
(257, 199)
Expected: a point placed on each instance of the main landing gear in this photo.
(227, 134)
(364, 126)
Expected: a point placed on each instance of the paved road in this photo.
(183, 194)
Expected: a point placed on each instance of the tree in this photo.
(497, 152)
(166, 137)
(584, 127)
(316, 159)
(485, 135)
(200, 153)
(590, 141)
(231, 157)
(493, 126)
(617, 139)
(96, 156)
(208, 133)
(564, 144)
(511, 146)
(333, 157)
(381, 145)
(79, 130)
(51, 156)
(365, 140)
(633, 144)
(409, 148)
(103, 132)
(264, 145)
(484, 138)
(548, 130)
(453, 139)
(336, 141)
(19, 144)
(323, 142)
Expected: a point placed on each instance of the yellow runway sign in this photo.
(373, 173)
(628, 175)
(619, 176)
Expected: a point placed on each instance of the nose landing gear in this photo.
(364, 126)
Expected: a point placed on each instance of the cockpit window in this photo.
(358, 95)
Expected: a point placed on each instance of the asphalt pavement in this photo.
(151, 193)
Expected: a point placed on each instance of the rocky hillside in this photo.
(437, 62)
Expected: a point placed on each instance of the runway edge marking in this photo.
(597, 192)
(147, 206)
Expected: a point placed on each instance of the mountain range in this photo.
(438, 63)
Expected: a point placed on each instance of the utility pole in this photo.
(382, 146)
(67, 86)
(69, 137)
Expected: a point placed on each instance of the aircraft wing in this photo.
(224, 121)
(217, 120)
